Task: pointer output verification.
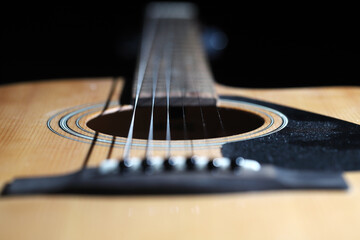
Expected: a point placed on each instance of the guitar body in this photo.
(28, 148)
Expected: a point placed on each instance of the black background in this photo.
(269, 46)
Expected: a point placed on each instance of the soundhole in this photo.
(188, 123)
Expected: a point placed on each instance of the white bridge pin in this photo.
(221, 163)
(154, 163)
(132, 164)
(200, 162)
(108, 166)
(177, 163)
(248, 164)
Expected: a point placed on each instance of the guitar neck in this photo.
(172, 66)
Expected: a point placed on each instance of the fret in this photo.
(177, 50)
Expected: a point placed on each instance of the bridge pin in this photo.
(247, 164)
(108, 166)
(177, 163)
(131, 164)
(221, 163)
(198, 162)
(153, 163)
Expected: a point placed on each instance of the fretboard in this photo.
(172, 66)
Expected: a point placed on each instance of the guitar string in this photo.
(89, 152)
(179, 85)
(168, 75)
(214, 95)
(146, 46)
(111, 147)
(220, 121)
(212, 91)
(168, 83)
(183, 87)
(194, 66)
(141, 74)
(170, 63)
(93, 141)
(187, 60)
(104, 109)
(155, 75)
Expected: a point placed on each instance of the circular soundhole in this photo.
(185, 123)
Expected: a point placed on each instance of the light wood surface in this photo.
(28, 148)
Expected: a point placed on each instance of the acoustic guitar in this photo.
(179, 156)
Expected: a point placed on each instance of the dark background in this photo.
(269, 46)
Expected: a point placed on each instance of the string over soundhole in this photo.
(233, 121)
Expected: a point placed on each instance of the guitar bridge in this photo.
(218, 176)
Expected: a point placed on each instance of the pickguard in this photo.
(309, 141)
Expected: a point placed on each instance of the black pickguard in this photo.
(309, 141)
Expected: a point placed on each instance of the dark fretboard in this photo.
(172, 59)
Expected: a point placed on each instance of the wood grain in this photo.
(28, 148)
(340, 102)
